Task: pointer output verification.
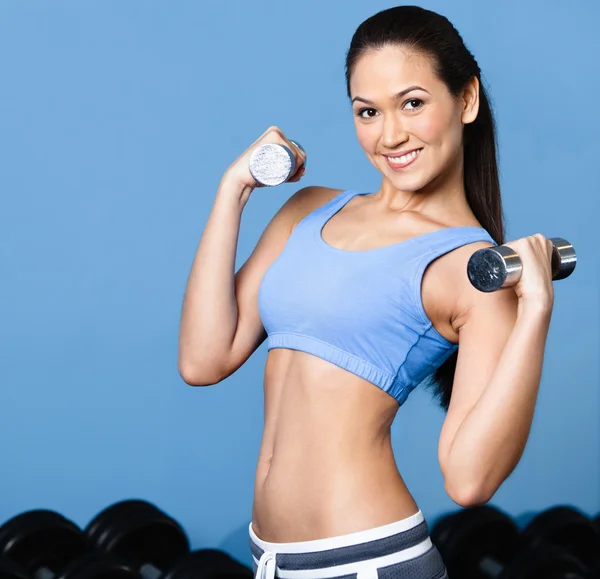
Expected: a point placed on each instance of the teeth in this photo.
(404, 159)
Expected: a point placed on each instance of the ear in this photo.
(470, 101)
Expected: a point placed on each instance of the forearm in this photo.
(492, 437)
(209, 313)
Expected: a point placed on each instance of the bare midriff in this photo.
(326, 466)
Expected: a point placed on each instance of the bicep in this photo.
(483, 331)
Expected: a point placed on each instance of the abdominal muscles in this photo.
(326, 465)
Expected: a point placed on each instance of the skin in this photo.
(326, 465)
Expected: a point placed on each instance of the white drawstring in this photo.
(263, 566)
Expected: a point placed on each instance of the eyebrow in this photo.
(395, 97)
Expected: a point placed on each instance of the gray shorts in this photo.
(399, 550)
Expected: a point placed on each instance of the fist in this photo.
(535, 284)
(239, 171)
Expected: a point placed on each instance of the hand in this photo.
(534, 288)
(239, 171)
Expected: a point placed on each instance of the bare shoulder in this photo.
(463, 300)
(448, 307)
(308, 199)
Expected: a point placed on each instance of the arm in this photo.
(209, 312)
(220, 326)
(502, 338)
(220, 323)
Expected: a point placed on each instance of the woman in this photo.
(362, 296)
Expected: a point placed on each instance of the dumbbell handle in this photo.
(490, 567)
(272, 164)
(44, 573)
(149, 571)
(492, 268)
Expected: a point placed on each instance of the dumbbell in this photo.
(49, 546)
(156, 544)
(485, 543)
(571, 529)
(492, 268)
(272, 164)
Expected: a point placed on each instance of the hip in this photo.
(401, 549)
(304, 503)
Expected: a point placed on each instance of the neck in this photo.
(443, 199)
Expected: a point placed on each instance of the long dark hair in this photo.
(432, 34)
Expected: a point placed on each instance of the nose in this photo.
(394, 132)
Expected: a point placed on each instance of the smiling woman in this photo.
(442, 125)
(361, 297)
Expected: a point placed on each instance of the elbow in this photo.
(194, 375)
(468, 493)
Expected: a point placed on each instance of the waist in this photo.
(402, 540)
(306, 499)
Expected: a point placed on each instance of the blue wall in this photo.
(117, 120)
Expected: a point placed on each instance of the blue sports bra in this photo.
(359, 310)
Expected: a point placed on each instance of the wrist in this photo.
(231, 191)
(538, 308)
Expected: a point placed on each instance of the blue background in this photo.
(117, 120)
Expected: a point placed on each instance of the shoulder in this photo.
(295, 208)
(467, 303)
(447, 293)
(308, 199)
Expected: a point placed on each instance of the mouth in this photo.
(398, 163)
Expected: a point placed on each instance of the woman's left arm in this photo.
(502, 338)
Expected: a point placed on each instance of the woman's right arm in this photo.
(220, 325)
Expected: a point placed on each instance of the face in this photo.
(424, 122)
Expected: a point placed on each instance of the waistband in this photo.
(395, 542)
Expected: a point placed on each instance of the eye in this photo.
(361, 111)
(415, 101)
(415, 106)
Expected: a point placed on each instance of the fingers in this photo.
(533, 242)
(240, 170)
(299, 154)
(298, 175)
(535, 247)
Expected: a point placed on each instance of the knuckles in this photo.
(275, 134)
(532, 245)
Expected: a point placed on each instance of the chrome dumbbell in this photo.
(273, 164)
(492, 268)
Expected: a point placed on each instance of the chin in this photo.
(408, 183)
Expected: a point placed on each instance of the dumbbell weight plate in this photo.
(141, 533)
(567, 527)
(476, 538)
(272, 163)
(208, 564)
(41, 538)
(98, 566)
(564, 258)
(544, 561)
(11, 570)
(482, 542)
(104, 521)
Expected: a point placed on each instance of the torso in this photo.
(326, 465)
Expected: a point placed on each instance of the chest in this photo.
(354, 231)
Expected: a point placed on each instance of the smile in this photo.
(404, 161)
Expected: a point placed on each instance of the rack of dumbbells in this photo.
(484, 542)
(131, 539)
(134, 539)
